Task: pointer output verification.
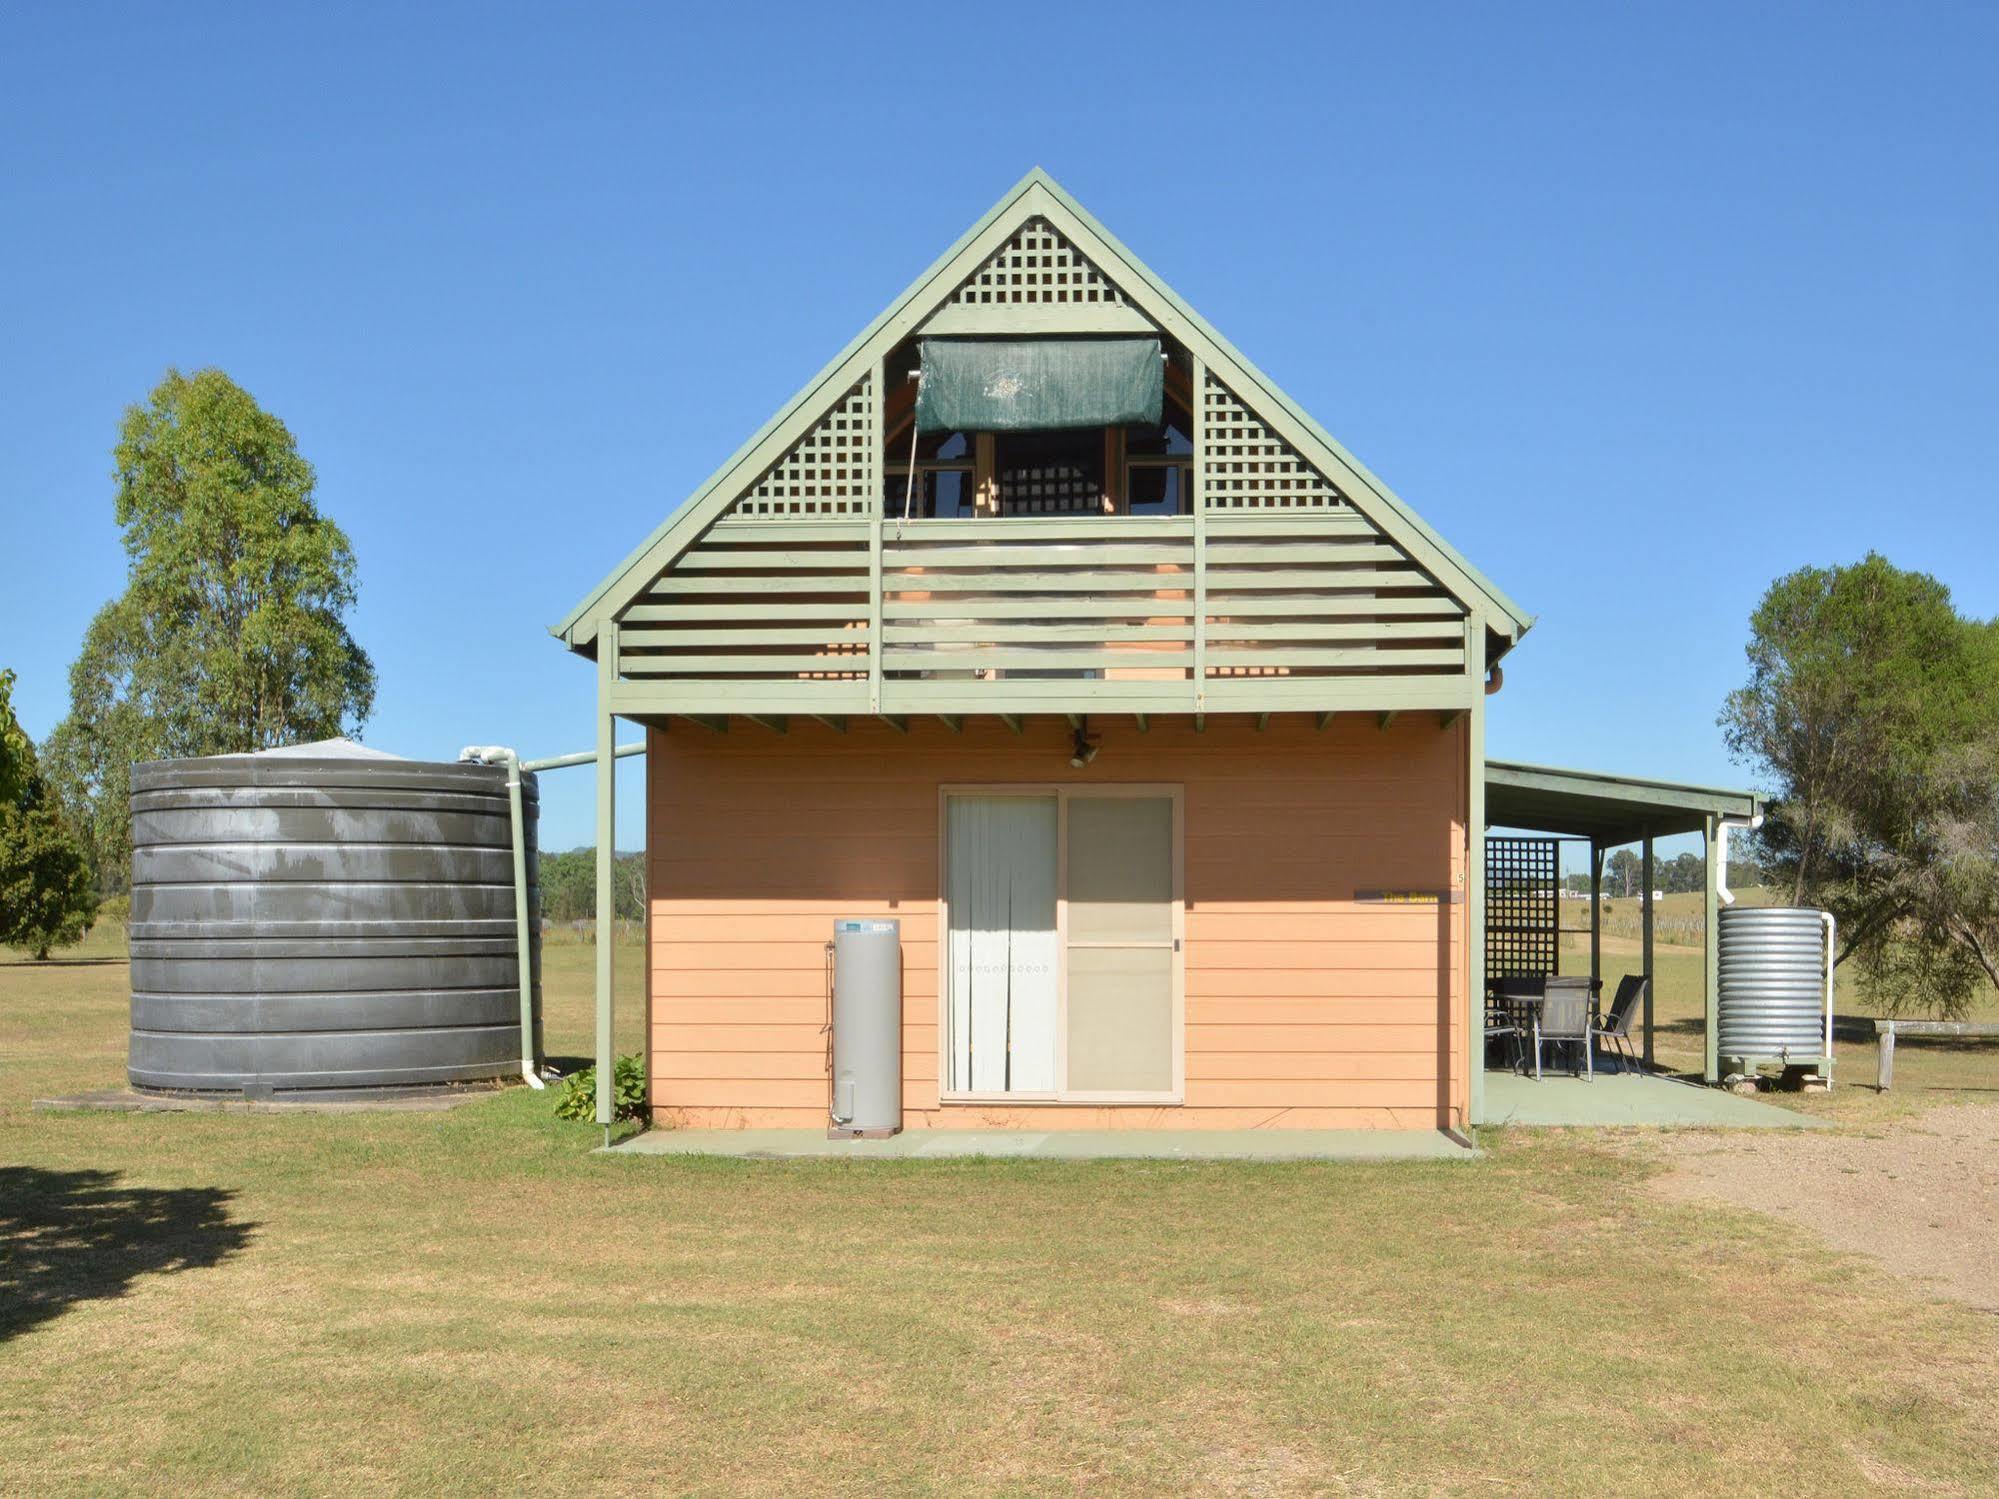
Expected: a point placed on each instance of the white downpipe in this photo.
(499, 754)
(1721, 889)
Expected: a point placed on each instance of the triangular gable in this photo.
(1037, 266)
(1037, 246)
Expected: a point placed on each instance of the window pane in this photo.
(951, 494)
(1120, 869)
(1120, 1019)
(1157, 490)
(1051, 473)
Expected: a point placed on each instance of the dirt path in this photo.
(1923, 1196)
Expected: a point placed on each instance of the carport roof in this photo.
(1606, 808)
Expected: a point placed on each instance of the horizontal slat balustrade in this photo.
(1073, 611)
(1321, 602)
(763, 603)
(1050, 598)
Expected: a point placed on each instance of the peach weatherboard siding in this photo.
(1306, 1006)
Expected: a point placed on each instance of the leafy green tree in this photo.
(46, 896)
(17, 753)
(1873, 707)
(568, 885)
(231, 634)
(1623, 872)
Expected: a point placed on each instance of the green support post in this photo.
(876, 423)
(1651, 983)
(1595, 912)
(1711, 954)
(607, 773)
(1197, 471)
(1475, 873)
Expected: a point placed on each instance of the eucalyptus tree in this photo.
(231, 634)
(1872, 708)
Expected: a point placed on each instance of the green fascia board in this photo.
(1038, 193)
(1500, 605)
(1611, 809)
(693, 516)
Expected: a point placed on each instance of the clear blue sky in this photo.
(1639, 307)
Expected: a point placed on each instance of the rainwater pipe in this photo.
(1748, 824)
(500, 754)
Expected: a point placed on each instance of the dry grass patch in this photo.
(470, 1301)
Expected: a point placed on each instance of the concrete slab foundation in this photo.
(1628, 1099)
(1061, 1145)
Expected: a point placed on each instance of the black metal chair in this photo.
(1564, 1016)
(1507, 1012)
(1616, 1026)
(1502, 1023)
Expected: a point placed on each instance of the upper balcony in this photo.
(1030, 488)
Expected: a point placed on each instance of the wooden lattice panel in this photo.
(1522, 926)
(1037, 266)
(830, 473)
(1246, 466)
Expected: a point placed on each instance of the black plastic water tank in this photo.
(324, 918)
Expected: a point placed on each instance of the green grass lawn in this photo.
(473, 1301)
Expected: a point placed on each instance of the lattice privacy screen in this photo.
(1037, 265)
(1246, 466)
(1522, 927)
(831, 471)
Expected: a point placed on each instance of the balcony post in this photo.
(1198, 499)
(872, 466)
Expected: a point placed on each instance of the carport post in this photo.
(1711, 954)
(1651, 983)
(607, 890)
(1595, 912)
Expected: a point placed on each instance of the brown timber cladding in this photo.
(1307, 1006)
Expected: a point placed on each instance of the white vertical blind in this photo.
(1000, 862)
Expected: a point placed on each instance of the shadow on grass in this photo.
(70, 1236)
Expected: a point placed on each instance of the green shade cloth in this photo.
(1039, 384)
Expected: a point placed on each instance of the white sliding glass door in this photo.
(1001, 868)
(1120, 944)
(1061, 963)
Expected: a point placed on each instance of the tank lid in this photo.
(319, 749)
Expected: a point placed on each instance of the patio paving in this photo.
(1063, 1145)
(1628, 1099)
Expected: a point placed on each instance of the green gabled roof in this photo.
(1038, 195)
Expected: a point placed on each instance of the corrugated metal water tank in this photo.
(1772, 983)
(326, 917)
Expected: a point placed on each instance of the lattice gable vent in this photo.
(829, 473)
(1037, 266)
(1246, 466)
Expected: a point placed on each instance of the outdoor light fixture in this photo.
(1085, 748)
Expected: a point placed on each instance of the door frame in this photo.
(1171, 792)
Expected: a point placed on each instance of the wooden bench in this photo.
(1885, 1032)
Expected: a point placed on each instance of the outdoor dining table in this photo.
(1523, 1005)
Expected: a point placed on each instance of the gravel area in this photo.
(1923, 1197)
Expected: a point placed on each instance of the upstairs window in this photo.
(942, 489)
(1051, 473)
